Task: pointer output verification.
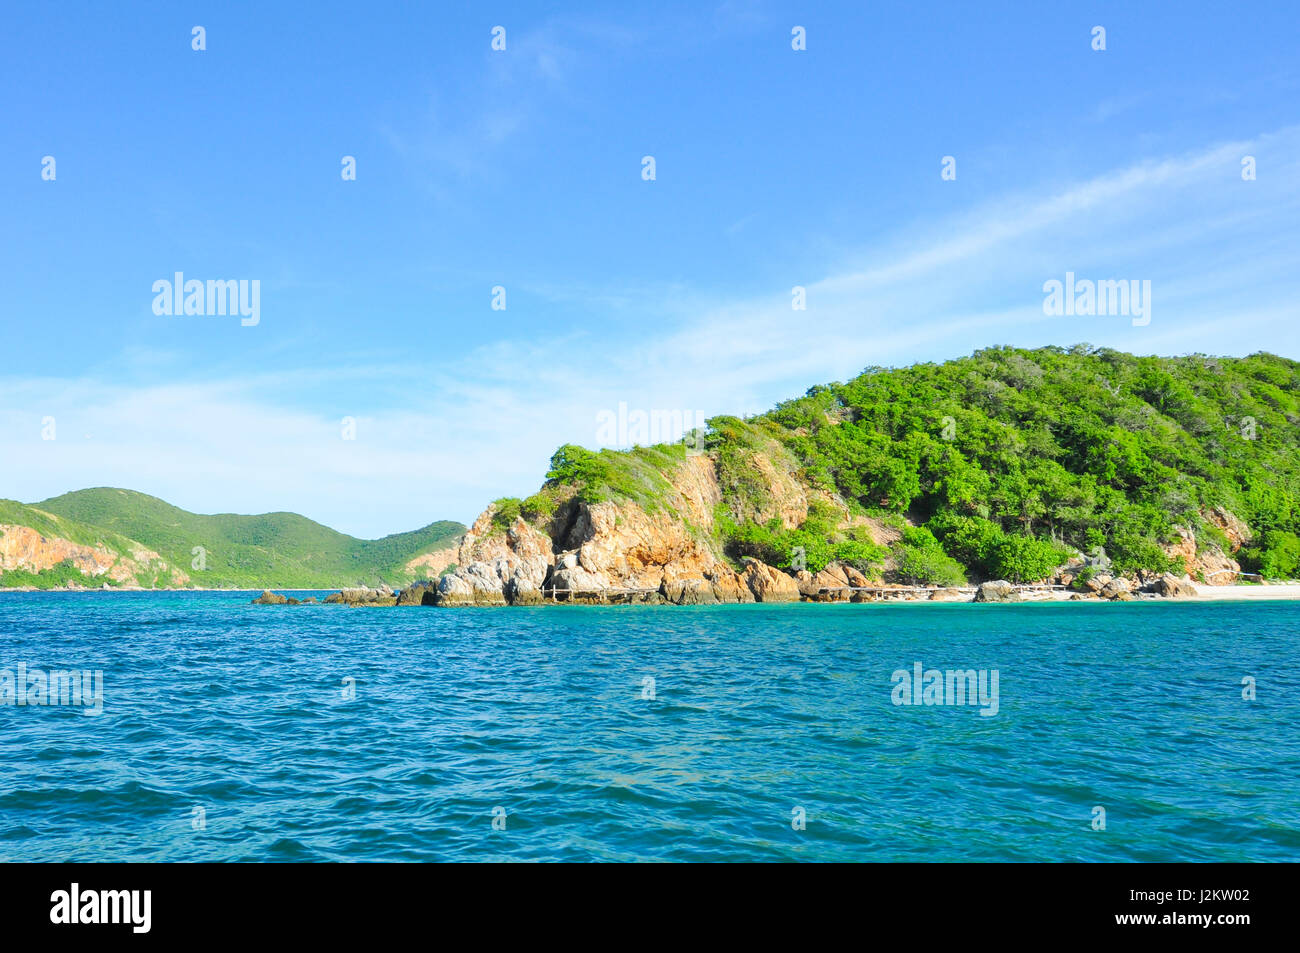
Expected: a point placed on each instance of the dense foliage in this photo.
(1011, 455)
(1000, 465)
(816, 542)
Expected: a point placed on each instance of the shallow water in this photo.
(225, 733)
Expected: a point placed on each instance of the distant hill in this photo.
(123, 537)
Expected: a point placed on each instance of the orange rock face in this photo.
(21, 547)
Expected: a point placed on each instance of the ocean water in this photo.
(238, 732)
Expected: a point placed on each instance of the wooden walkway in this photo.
(1232, 572)
(901, 590)
(626, 594)
(602, 595)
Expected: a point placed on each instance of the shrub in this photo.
(1024, 558)
(507, 508)
(928, 566)
(921, 561)
(1276, 555)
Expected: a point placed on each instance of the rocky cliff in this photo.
(24, 550)
(622, 551)
(602, 551)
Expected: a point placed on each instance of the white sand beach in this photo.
(1248, 593)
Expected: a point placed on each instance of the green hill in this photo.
(276, 549)
(80, 550)
(1010, 453)
(998, 465)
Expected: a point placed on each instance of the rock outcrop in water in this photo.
(599, 553)
(363, 596)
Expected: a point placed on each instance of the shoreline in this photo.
(1282, 592)
(1247, 593)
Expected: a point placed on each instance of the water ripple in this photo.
(237, 732)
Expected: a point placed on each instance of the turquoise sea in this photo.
(238, 732)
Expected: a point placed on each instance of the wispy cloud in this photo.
(438, 443)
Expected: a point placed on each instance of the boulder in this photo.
(947, 595)
(997, 590)
(524, 587)
(528, 572)
(359, 595)
(269, 598)
(521, 593)
(414, 594)
(1116, 589)
(1098, 581)
(831, 578)
(688, 592)
(478, 584)
(454, 591)
(574, 578)
(854, 577)
(836, 580)
(769, 584)
(1171, 587)
(730, 587)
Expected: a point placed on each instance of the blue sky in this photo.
(522, 169)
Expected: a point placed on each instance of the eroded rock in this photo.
(769, 584)
(997, 590)
(1171, 587)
